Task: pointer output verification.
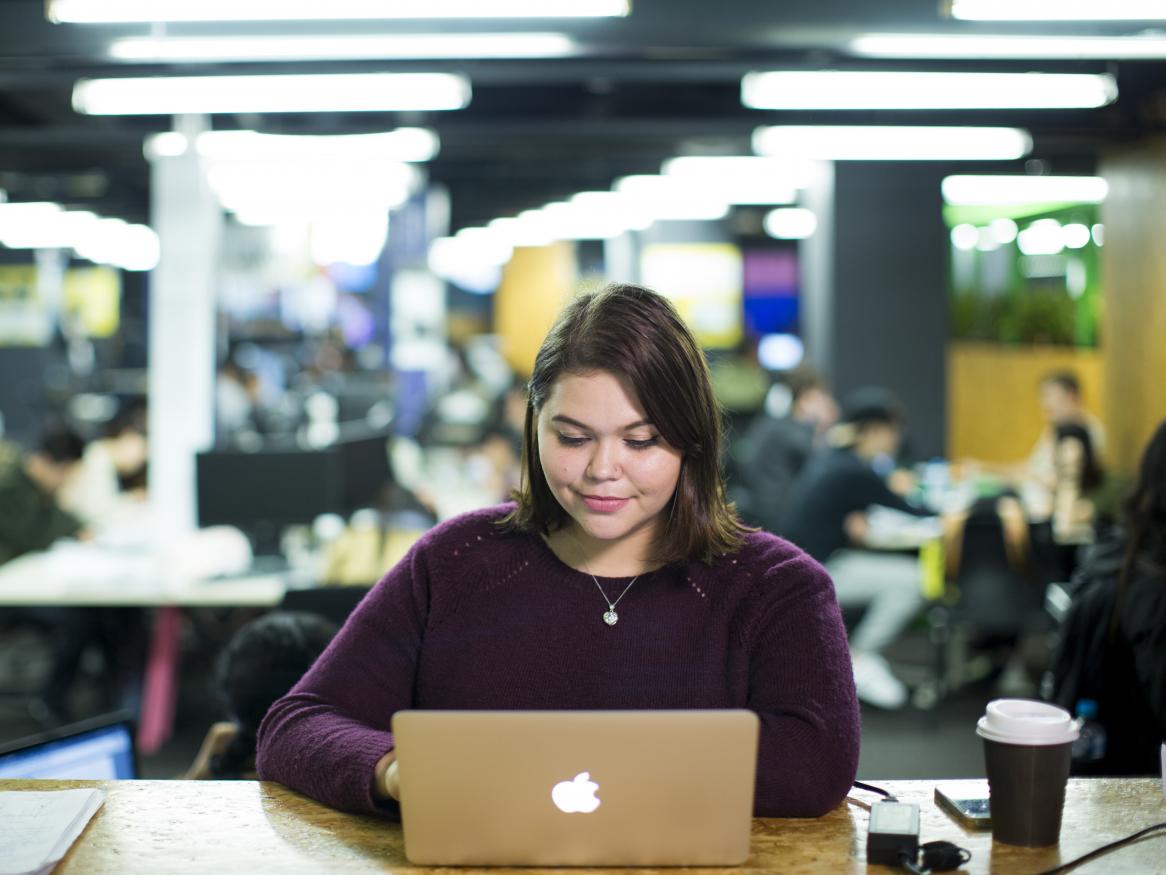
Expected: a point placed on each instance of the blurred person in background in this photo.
(1061, 404)
(774, 449)
(262, 661)
(826, 515)
(236, 400)
(1112, 646)
(96, 493)
(1082, 493)
(1035, 477)
(31, 517)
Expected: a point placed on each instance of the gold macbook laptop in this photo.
(577, 788)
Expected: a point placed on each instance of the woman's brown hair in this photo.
(636, 334)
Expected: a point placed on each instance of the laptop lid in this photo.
(98, 749)
(577, 788)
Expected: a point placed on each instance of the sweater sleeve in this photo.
(326, 735)
(801, 685)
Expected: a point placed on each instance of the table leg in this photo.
(160, 688)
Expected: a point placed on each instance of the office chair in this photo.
(995, 598)
(333, 602)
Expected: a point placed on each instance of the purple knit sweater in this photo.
(474, 618)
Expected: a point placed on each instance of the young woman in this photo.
(1112, 648)
(619, 579)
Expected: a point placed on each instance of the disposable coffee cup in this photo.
(1027, 750)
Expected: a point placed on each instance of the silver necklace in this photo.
(609, 616)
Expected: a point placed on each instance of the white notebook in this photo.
(41, 825)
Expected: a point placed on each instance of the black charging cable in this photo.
(873, 789)
(1105, 849)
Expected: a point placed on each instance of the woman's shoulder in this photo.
(473, 523)
(768, 559)
(478, 531)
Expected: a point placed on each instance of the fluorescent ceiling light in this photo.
(881, 89)
(1058, 10)
(666, 198)
(115, 11)
(790, 223)
(968, 190)
(937, 45)
(755, 167)
(324, 48)
(44, 225)
(402, 144)
(899, 143)
(354, 92)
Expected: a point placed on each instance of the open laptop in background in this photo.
(99, 749)
(577, 788)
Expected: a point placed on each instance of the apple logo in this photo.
(577, 795)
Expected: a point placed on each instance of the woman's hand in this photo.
(386, 784)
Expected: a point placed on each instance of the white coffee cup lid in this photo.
(1027, 722)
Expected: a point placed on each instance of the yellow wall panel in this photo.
(993, 409)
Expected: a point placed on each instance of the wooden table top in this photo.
(257, 827)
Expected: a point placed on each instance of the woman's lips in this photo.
(604, 504)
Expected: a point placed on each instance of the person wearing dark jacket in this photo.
(30, 516)
(1112, 647)
(826, 515)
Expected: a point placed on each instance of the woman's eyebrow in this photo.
(569, 421)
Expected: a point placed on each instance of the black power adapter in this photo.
(893, 833)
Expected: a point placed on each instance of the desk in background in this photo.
(85, 576)
(246, 826)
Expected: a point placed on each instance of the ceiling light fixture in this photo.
(938, 45)
(355, 92)
(401, 144)
(790, 223)
(745, 179)
(1061, 10)
(124, 11)
(898, 143)
(330, 48)
(972, 190)
(882, 89)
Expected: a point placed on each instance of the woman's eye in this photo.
(643, 443)
(568, 441)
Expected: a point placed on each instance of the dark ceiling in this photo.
(663, 81)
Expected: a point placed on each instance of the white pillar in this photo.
(188, 221)
(817, 269)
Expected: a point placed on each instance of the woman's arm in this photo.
(802, 687)
(327, 736)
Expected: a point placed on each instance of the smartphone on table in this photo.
(972, 813)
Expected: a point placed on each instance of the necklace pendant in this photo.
(610, 617)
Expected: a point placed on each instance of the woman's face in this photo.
(606, 464)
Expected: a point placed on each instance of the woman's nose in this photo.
(604, 464)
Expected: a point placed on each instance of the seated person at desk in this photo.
(1112, 647)
(1083, 496)
(776, 448)
(620, 579)
(95, 492)
(826, 516)
(1036, 475)
(261, 663)
(30, 516)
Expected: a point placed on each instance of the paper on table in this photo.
(41, 825)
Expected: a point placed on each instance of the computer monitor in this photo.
(101, 749)
(263, 492)
(364, 470)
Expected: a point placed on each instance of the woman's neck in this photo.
(625, 557)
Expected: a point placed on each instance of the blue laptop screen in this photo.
(98, 754)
